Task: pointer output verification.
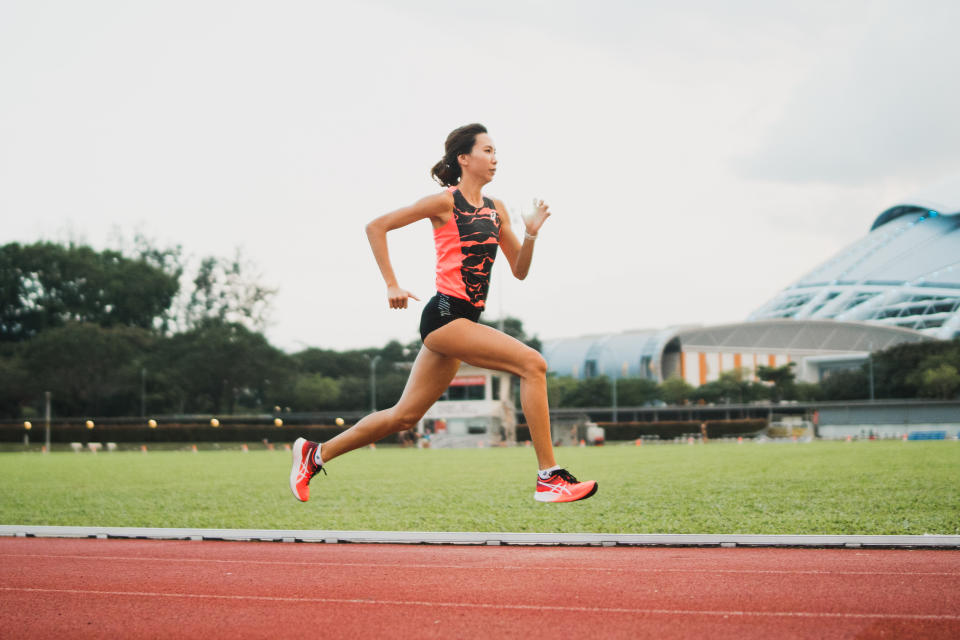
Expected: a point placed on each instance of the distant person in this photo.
(467, 229)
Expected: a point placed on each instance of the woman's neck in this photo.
(472, 190)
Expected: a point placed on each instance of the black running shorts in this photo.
(442, 309)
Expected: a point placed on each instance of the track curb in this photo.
(488, 538)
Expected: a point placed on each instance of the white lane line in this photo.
(515, 607)
(374, 565)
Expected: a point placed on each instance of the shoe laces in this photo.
(566, 476)
(316, 468)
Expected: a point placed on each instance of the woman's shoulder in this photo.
(498, 205)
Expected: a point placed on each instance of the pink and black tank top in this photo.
(466, 248)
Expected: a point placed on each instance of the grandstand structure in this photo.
(900, 283)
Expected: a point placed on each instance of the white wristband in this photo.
(527, 234)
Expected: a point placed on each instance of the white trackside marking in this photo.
(516, 607)
(471, 567)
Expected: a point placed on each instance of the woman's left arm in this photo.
(520, 255)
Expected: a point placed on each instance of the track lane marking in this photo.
(375, 565)
(516, 607)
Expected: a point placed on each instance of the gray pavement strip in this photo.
(489, 538)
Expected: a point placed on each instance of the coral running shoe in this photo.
(561, 486)
(303, 468)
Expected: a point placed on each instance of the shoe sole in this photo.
(295, 469)
(548, 497)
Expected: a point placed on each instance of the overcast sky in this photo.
(698, 156)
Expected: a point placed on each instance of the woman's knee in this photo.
(403, 418)
(534, 365)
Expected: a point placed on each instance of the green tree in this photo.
(227, 290)
(846, 385)
(675, 390)
(89, 369)
(636, 392)
(45, 285)
(808, 391)
(783, 379)
(942, 382)
(560, 389)
(314, 392)
(14, 387)
(731, 387)
(221, 366)
(898, 371)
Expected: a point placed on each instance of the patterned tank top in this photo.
(466, 248)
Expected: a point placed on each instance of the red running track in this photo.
(69, 588)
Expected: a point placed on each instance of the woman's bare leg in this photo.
(483, 346)
(429, 378)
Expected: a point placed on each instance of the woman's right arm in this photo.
(438, 206)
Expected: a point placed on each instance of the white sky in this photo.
(698, 156)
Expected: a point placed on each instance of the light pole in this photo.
(143, 392)
(870, 367)
(47, 415)
(373, 382)
(613, 381)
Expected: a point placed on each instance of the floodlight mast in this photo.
(47, 414)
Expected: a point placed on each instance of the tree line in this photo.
(145, 330)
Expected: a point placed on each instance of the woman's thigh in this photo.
(483, 346)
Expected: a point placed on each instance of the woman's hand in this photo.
(533, 222)
(398, 297)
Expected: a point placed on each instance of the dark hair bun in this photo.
(460, 142)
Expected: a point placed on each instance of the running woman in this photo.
(467, 229)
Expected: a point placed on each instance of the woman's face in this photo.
(482, 160)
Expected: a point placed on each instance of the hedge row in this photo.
(256, 432)
(668, 430)
(173, 432)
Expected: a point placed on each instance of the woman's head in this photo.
(460, 142)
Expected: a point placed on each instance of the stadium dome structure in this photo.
(700, 354)
(904, 273)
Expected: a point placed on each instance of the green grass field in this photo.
(880, 487)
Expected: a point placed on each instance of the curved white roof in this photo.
(942, 198)
(905, 272)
